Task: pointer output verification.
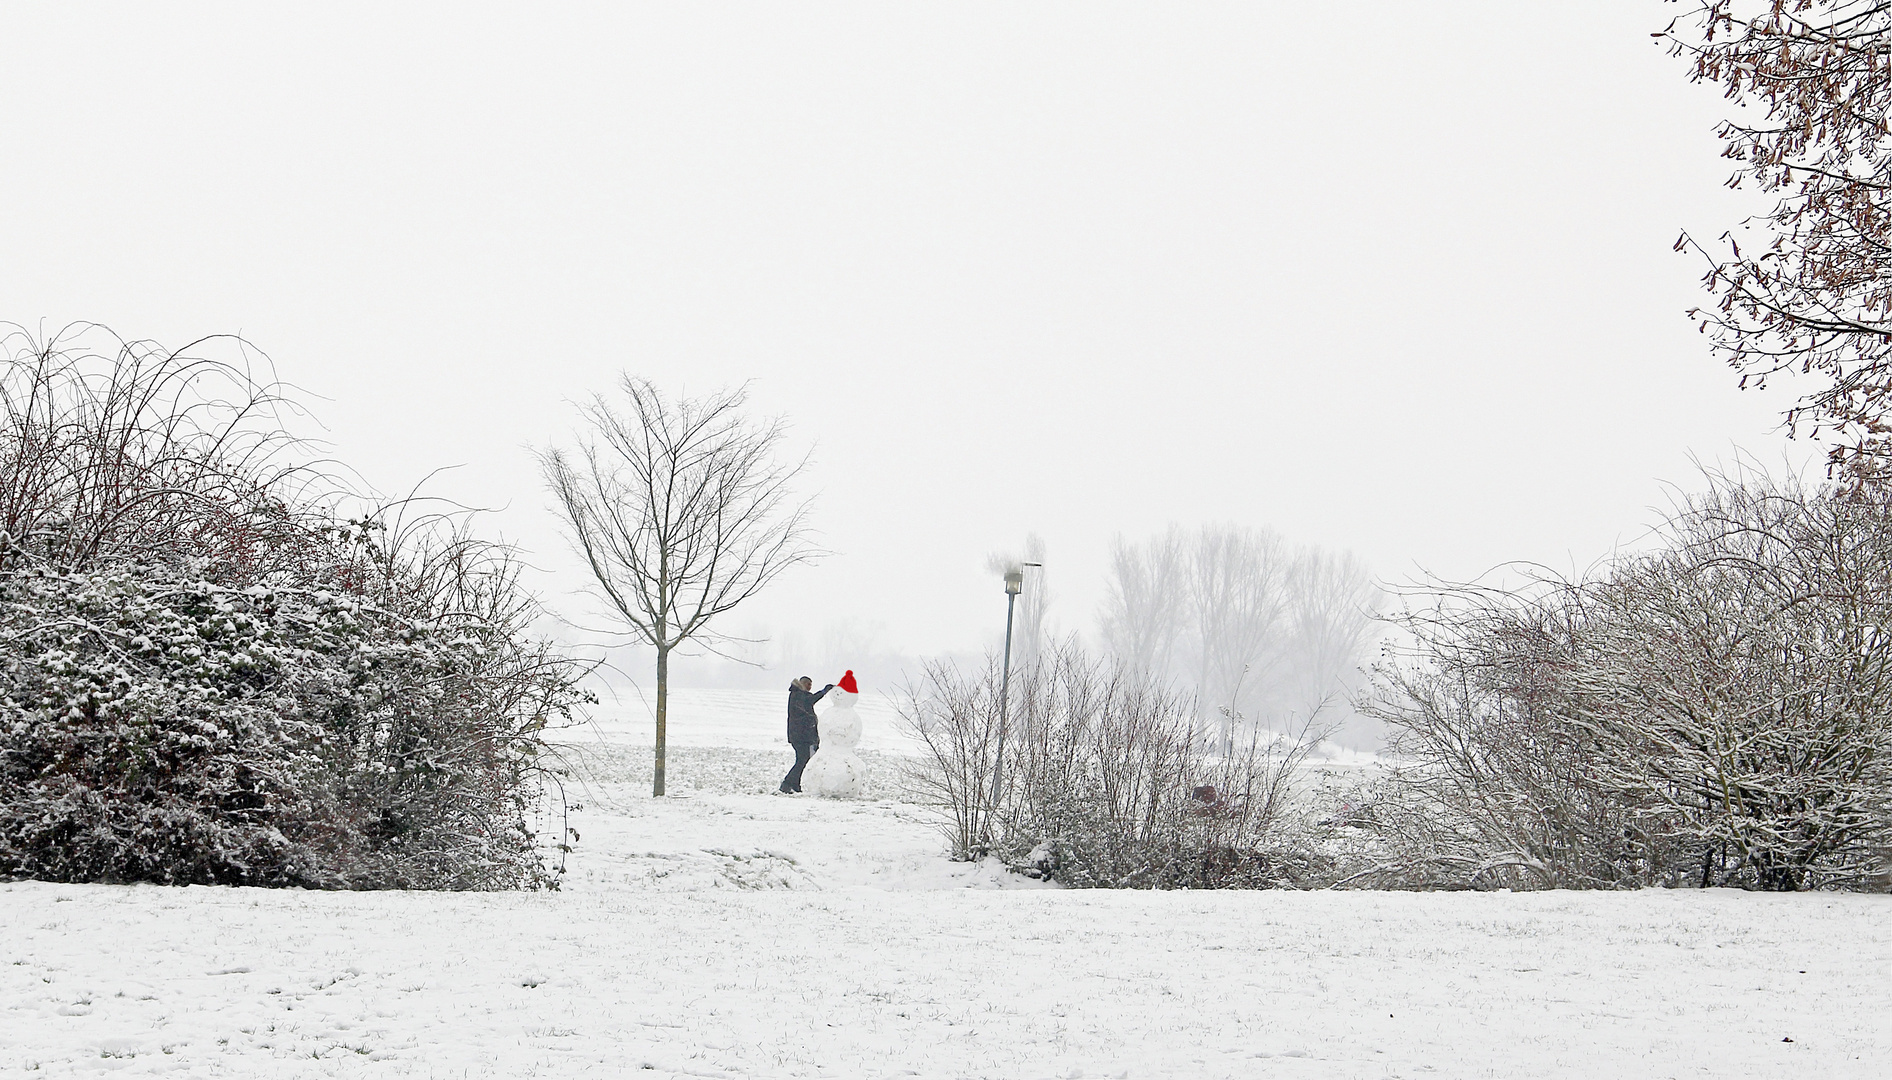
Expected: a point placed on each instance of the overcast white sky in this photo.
(1384, 276)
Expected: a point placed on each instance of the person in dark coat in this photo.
(803, 733)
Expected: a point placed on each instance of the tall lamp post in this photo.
(1014, 584)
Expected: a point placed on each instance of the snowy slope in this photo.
(739, 934)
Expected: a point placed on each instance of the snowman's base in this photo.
(840, 775)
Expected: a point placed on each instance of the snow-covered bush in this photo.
(205, 676)
(1716, 712)
(1108, 780)
(433, 716)
(152, 733)
(955, 716)
(1498, 787)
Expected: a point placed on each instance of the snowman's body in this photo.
(836, 771)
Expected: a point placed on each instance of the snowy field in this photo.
(741, 719)
(757, 720)
(733, 933)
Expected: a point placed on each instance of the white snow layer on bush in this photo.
(733, 933)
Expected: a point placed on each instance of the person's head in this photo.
(805, 683)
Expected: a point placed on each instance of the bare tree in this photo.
(1333, 607)
(1259, 630)
(1142, 620)
(1813, 294)
(1034, 604)
(682, 510)
(1240, 578)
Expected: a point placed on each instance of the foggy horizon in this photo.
(1004, 271)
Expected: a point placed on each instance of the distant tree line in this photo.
(1261, 634)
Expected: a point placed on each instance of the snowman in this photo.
(836, 771)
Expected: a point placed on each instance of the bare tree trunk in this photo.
(663, 701)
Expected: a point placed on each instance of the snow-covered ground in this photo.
(757, 720)
(733, 933)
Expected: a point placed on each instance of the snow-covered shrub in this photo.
(153, 733)
(1498, 788)
(122, 452)
(205, 676)
(432, 725)
(1108, 780)
(1717, 711)
(955, 716)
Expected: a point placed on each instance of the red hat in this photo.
(847, 683)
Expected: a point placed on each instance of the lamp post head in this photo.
(1014, 582)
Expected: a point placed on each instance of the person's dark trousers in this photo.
(803, 751)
